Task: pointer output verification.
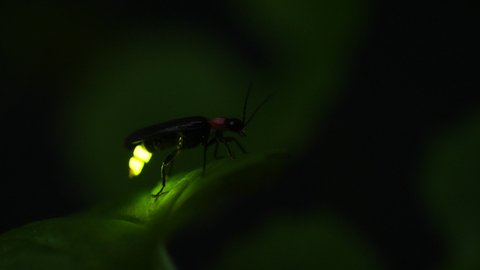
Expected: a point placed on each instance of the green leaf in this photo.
(192, 194)
(77, 243)
(132, 233)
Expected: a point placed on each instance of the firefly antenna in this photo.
(245, 103)
(258, 108)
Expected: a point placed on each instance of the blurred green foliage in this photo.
(76, 243)
(451, 186)
(321, 242)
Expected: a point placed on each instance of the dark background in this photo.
(408, 79)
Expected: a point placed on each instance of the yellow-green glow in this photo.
(135, 166)
(142, 153)
(140, 156)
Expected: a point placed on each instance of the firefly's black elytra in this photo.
(184, 133)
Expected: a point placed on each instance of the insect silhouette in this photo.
(185, 133)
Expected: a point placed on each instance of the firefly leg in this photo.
(206, 144)
(215, 152)
(220, 139)
(215, 141)
(168, 162)
(230, 153)
(229, 139)
(205, 147)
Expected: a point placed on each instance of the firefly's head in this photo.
(235, 125)
(231, 124)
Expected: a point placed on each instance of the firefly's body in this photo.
(194, 131)
(184, 133)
